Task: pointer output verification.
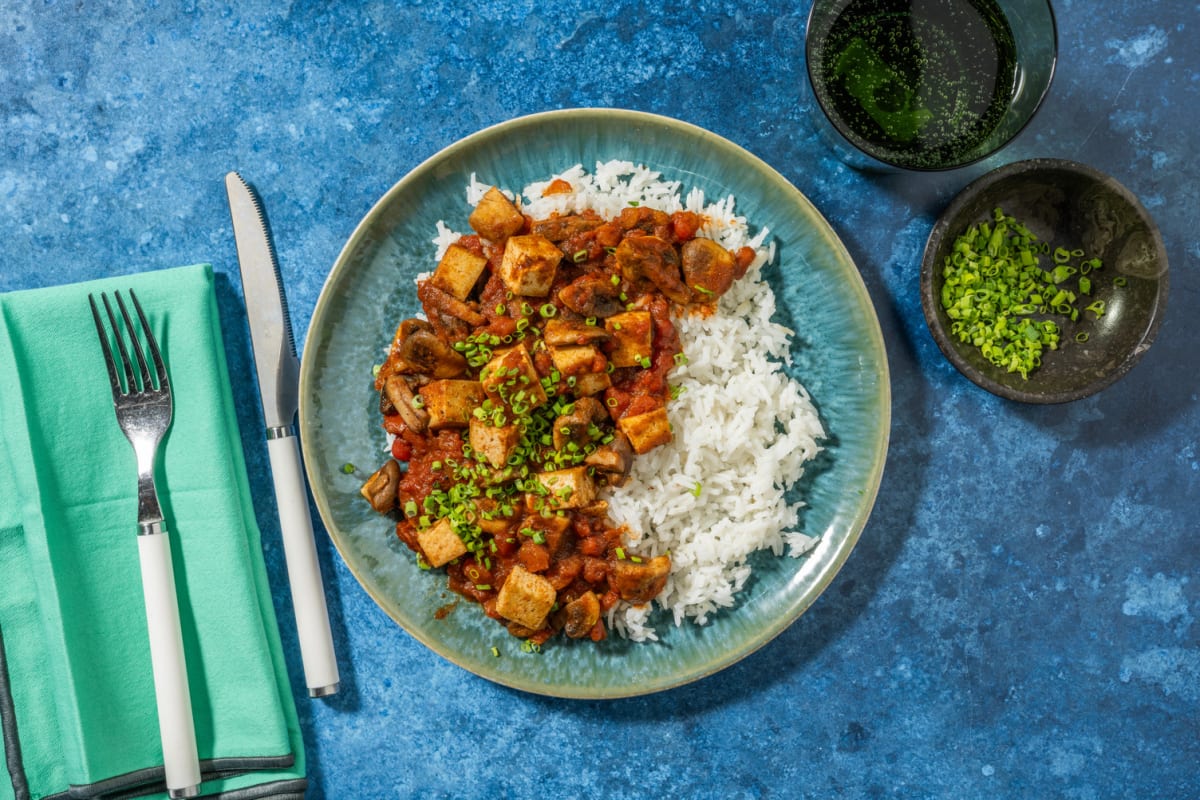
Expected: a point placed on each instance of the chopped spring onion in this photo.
(999, 298)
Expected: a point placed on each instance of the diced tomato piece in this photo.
(608, 600)
(594, 569)
(557, 186)
(592, 546)
(533, 556)
(684, 225)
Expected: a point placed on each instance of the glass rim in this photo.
(887, 162)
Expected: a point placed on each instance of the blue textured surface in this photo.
(1018, 619)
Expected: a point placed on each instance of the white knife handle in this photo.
(304, 571)
(170, 670)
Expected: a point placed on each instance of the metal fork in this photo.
(143, 406)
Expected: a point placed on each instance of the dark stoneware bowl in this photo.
(1073, 206)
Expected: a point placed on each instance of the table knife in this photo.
(278, 382)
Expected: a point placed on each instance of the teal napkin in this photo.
(76, 690)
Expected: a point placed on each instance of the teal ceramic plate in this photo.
(838, 355)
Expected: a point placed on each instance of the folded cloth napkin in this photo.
(76, 690)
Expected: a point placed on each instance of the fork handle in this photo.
(304, 571)
(170, 670)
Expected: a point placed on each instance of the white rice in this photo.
(743, 429)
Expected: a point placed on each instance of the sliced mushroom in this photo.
(614, 458)
(645, 219)
(652, 259)
(639, 582)
(560, 332)
(576, 426)
(424, 352)
(446, 303)
(380, 488)
(410, 326)
(707, 268)
(582, 615)
(400, 395)
(560, 228)
(592, 295)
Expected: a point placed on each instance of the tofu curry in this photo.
(539, 371)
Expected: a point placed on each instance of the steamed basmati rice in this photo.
(743, 429)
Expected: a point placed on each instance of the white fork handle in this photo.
(170, 670)
(304, 571)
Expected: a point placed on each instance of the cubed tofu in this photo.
(440, 543)
(495, 443)
(568, 488)
(591, 383)
(525, 598)
(632, 338)
(450, 403)
(574, 360)
(646, 431)
(529, 265)
(496, 217)
(511, 379)
(458, 271)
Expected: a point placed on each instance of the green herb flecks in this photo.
(1000, 299)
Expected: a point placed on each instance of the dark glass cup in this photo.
(927, 84)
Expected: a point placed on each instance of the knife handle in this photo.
(170, 668)
(304, 571)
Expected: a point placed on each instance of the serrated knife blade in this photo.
(266, 306)
(278, 380)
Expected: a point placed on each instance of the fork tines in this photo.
(134, 383)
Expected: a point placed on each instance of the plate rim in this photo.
(869, 493)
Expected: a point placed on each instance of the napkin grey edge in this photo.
(150, 781)
(8, 723)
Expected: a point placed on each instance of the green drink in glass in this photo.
(929, 84)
